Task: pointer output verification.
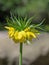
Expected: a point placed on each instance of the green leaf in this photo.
(29, 21)
(42, 29)
(40, 23)
(12, 17)
(31, 26)
(18, 22)
(25, 19)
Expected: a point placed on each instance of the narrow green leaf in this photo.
(18, 22)
(40, 23)
(25, 19)
(41, 28)
(29, 21)
(12, 17)
(31, 26)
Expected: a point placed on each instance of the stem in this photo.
(20, 57)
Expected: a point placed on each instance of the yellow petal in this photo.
(32, 34)
(22, 39)
(16, 35)
(28, 34)
(23, 33)
(9, 28)
(27, 29)
(11, 33)
(21, 36)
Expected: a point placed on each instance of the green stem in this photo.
(20, 57)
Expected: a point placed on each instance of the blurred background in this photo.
(23, 8)
(29, 8)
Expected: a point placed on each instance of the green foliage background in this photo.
(40, 8)
(23, 7)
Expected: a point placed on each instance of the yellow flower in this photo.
(20, 36)
(30, 35)
(11, 31)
